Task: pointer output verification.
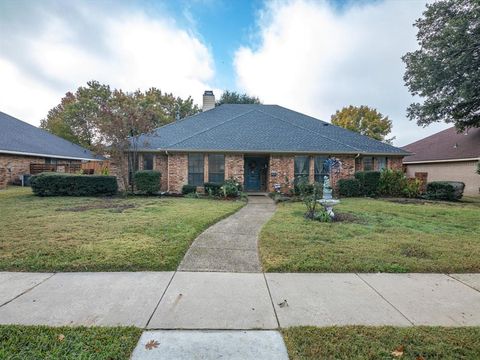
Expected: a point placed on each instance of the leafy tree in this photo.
(80, 116)
(232, 97)
(445, 71)
(76, 117)
(364, 120)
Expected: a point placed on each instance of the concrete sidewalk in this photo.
(231, 244)
(212, 300)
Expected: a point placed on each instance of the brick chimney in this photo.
(208, 100)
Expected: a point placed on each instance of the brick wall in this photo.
(177, 172)
(16, 165)
(161, 165)
(3, 178)
(281, 171)
(346, 170)
(234, 167)
(395, 163)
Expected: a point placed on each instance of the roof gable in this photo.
(18, 137)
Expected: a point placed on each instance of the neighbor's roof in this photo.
(260, 128)
(18, 137)
(446, 145)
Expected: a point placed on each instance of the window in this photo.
(321, 168)
(302, 167)
(216, 168)
(195, 169)
(368, 163)
(381, 163)
(147, 161)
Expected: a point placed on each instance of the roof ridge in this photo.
(210, 128)
(301, 127)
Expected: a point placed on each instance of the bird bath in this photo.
(327, 201)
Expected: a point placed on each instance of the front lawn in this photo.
(360, 342)
(101, 234)
(379, 235)
(42, 342)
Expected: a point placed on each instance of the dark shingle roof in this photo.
(260, 128)
(18, 137)
(446, 145)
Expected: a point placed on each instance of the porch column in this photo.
(311, 171)
(205, 168)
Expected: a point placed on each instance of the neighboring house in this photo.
(258, 145)
(26, 149)
(447, 155)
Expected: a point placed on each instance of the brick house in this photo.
(261, 146)
(26, 149)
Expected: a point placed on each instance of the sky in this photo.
(314, 57)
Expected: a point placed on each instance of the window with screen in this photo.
(195, 169)
(147, 161)
(368, 163)
(216, 168)
(381, 163)
(302, 167)
(321, 168)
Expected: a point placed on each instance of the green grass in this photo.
(101, 234)
(385, 237)
(76, 343)
(359, 342)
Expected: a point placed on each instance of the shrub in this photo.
(188, 189)
(412, 188)
(231, 188)
(392, 183)
(213, 189)
(310, 198)
(369, 181)
(147, 181)
(57, 184)
(349, 187)
(444, 190)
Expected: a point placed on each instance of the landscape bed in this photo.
(101, 234)
(377, 236)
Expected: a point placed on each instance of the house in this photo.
(447, 155)
(261, 146)
(26, 149)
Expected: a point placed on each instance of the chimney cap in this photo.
(208, 92)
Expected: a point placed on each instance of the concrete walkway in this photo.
(238, 301)
(231, 244)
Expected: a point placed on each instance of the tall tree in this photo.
(445, 71)
(233, 97)
(80, 116)
(76, 117)
(364, 120)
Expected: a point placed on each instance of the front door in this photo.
(254, 169)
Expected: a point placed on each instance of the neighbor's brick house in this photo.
(259, 146)
(25, 149)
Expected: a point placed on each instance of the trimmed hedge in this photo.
(189, 189)
(349, 187)
(213, 189)
(445, 190)
(58, 184)
(147, 181)
(369, 182)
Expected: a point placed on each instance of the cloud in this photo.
(315, 58)
(63, 45)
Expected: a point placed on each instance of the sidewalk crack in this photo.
(29, 289)
(160, 300)
(378, 293)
